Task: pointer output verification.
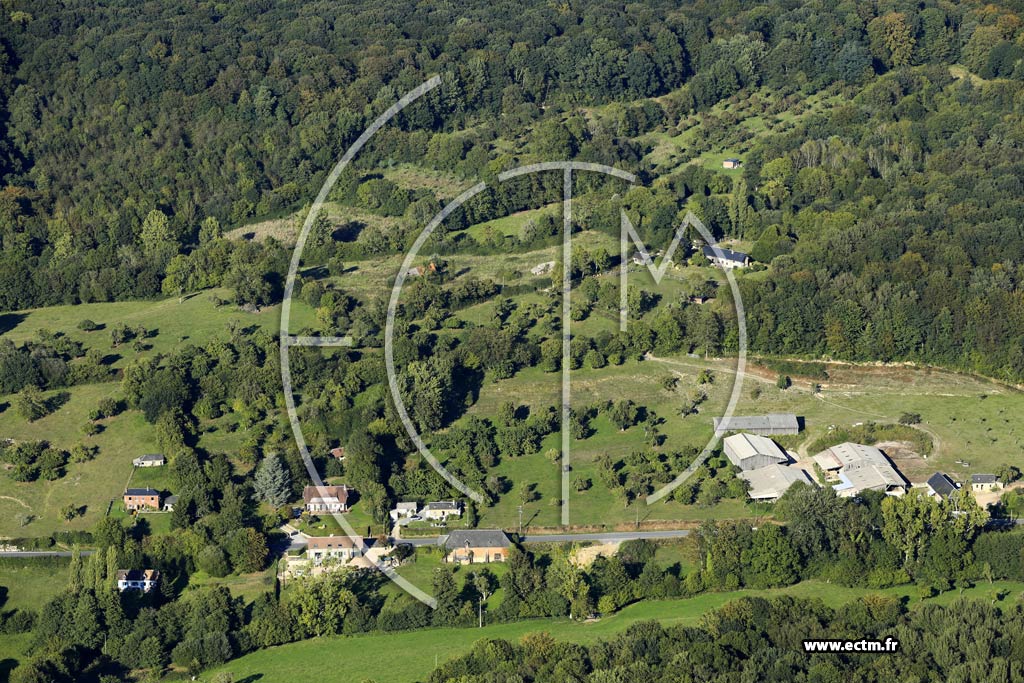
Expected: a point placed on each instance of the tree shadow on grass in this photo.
(8, 321)
(6, 667)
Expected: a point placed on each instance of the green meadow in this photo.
(417, 652)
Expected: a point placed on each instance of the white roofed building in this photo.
(750, 451)
(769, 483)
(861, 468)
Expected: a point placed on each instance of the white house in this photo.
(326, 498)
(150, 460)
(404, 510)
(726, 259)
(985, 482)
(442, 509)
(143, 580)
(339, 549)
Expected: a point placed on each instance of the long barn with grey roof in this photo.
(773, 424)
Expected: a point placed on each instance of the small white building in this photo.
(143, 580)
(404, 510)
(442, 509)
(985, 482)
(150, 460)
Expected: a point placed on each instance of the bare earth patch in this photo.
(908, 461)
(584, 557)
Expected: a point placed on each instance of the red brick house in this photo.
(141, 499)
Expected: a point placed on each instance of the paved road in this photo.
(599, 537)
(42, 553)
(606, 536)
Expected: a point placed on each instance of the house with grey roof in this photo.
(441, 509)
(985, 482)
(404, 510)
(772, 424)
(726, 259)
(474, 546)
(150, 460)
(941, 486)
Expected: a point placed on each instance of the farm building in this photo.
(773, 424)
(861, 468)
(731, 163)
(727, 259)
(769, 483)
(940, 485)
(750, 451)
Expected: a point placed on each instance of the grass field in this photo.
(417, 651)
(26, 584)
(31, 583)
(170, 324)
(94, 484)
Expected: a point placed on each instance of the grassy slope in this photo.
(365, 657)
(27, 585)
(124, 437)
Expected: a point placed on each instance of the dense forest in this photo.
(135, 132)
(758, 639)
(886, 225)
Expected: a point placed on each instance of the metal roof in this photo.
(772, 481)
(740, 423)
(748, 445)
